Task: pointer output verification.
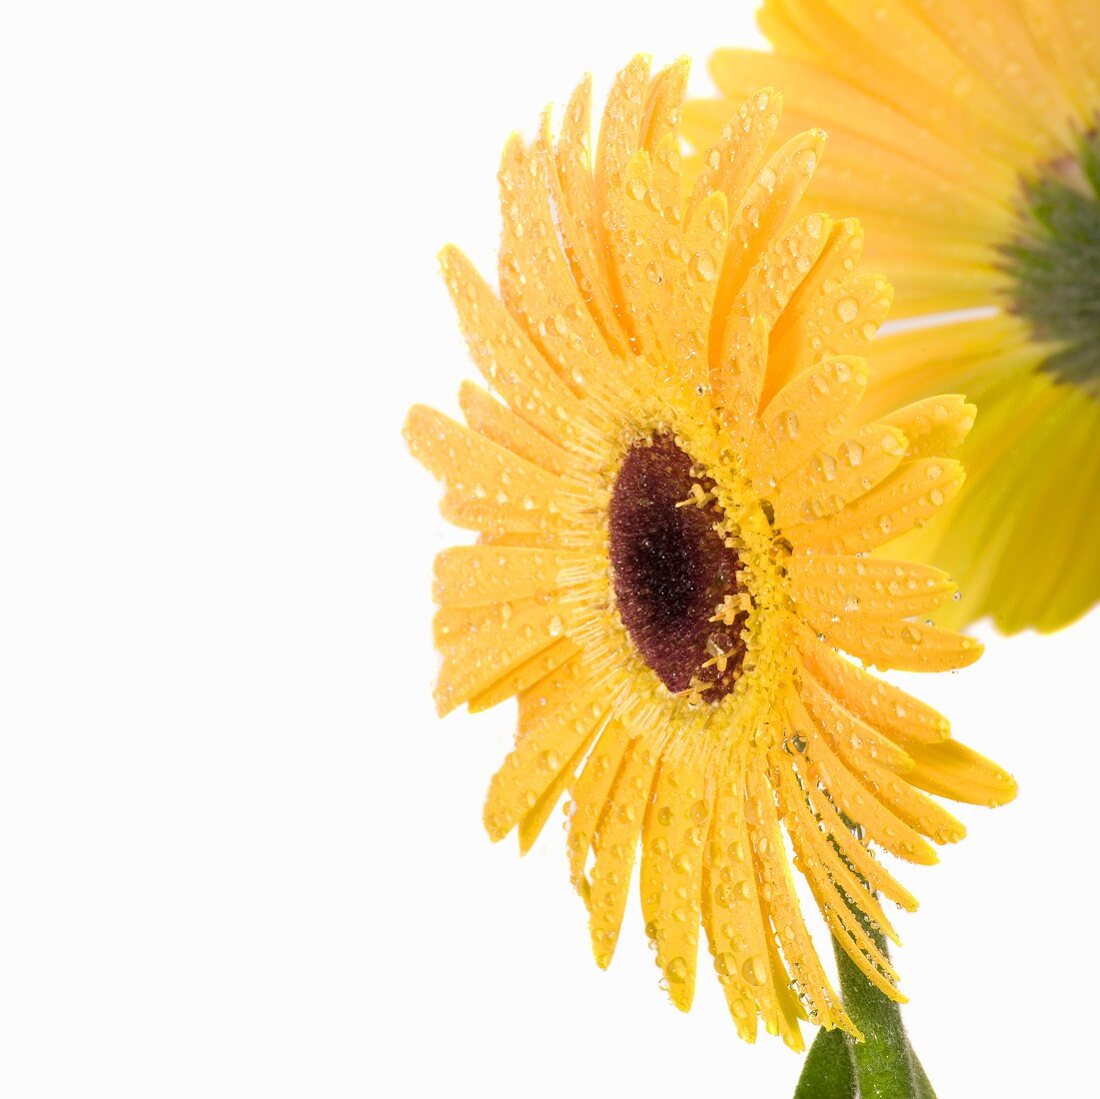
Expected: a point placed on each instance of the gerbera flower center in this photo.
(1055, 262)
(675, 576)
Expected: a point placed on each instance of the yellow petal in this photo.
(903, 646)
(804, 414)
(955, 771)
(781, 904)
(936, 425)
(738, 153)
(907, 499)
(524, 675)
(616, 846)
(821, 766)
(733, 910)
(572, 188)
(485, 486)
(834, 476)
(841, 320)
(764, 212)
(887, 708)
(780, 268)
(590, 791)
(815, 854)
(864, 587)
(488, 417)
(858, 743)
(511, 364)
(672, 872)
(536, 282)
(471, 576)
(557, 717)
(481, 645)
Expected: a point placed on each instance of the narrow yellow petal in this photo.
(907, 499)
(898, 715)
(936, 425)
(481, 645)
(858, 743)
(842, 320)
(557, 717)
(902, 646)
(487, 416)
(524, 675)
(832, 477)
(781, 904)
(486, 487)
(471, 576)
(815, 855)
(955, 771)
(804, 414)
(511, 364)
(672, 873)
(536, 282)
(865, 587)
(616, 848)
(590, 792)
(733, 911)
(822, 766)
(765, 211)
(572, 188)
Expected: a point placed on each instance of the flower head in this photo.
(965, 137)
(675, 499)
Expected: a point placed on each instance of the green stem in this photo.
(827, 1072)
(882, 1066)
(885, 1065)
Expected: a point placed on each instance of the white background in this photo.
(238, 853)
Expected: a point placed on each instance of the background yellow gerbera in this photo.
(674, 504)
(964, 135)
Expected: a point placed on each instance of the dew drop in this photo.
(847, 309)
(726, 964)
(805, 161)
(677, 971)
(754, 971)
(704, 267)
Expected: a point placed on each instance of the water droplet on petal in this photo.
(847, 309)
(754, 970)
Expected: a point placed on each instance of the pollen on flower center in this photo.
(1054, 263)
(673, 572)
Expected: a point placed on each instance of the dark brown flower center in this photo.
(672, 570)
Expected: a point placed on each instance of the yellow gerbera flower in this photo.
(964, 135)
(674, 512)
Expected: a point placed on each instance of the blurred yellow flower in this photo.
(963, 133)
(674, 497)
